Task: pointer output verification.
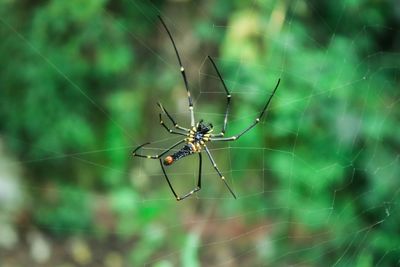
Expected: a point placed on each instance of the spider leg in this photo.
(168, 129)
(156, 156)
(235, 137)
(182, 69)
(171, 118)
(218, 171)
(228, 99)
(197, 188)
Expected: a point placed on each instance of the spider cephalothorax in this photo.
(197, 135)
(196, 139)
(201, 133)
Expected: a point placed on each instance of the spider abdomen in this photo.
(187, 150)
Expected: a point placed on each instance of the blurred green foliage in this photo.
(79, 83)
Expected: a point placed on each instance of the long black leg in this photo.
(197, 188)
(169, 183)
(235, 137)
(156, 156)
(182, 69)
(169, 130)
(171, 118)
(218, 171)
(228, 99)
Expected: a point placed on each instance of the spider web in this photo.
(279, 217)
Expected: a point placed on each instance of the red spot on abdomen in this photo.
(168, 160)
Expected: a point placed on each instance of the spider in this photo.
(199, 134)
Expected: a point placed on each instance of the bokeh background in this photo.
(317, 180)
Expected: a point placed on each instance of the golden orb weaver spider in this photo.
(198, 134)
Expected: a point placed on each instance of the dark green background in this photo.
(317, 180)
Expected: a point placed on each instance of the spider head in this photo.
(203, 127)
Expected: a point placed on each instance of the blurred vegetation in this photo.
(318, 180)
